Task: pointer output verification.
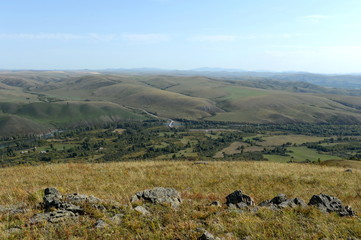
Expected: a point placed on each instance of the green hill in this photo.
(43, 97)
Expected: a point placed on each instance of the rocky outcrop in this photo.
(327, 203)
(281, 201)
(239, 200)
(53, 217)
(159, 195)
(60, 208)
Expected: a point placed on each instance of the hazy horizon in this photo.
(276, 36)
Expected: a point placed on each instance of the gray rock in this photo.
(52, 217)
(208, 236)
(159, 195)
(13, 230)
(101, 224)
(81, 198)
(14, 209)
(281, 201)
(117, 218)
(142, 210)
(327, 203)
(349, 170)
(239, 200)
(215, 203)
(52, 198)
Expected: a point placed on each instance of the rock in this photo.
(208, 236)
(215, 203)
(52, 198)
(101, 224)
(72, 208)
(81, 198)
(52, 217)
(159, 195)
(349, 170)
(117, 218)
(281, 201)
(14, 209)
(239, 200)
(142, 210)
(327, 203)
(13, 230)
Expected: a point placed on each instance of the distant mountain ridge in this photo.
(347, 81)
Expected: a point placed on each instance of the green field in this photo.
(300, 154)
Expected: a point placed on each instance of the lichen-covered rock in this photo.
(81, 198)
(281, 201)
(159, 195)
(13, 209)
(208, 236)
(239, 200)
(327, 203)
(100, 224)
(52, 198)
(142, 210)
(52, 217)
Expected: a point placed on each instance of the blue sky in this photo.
(277, 35)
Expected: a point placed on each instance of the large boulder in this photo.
(281, 201)
(239, 200)
(159, 195)
(327, 203)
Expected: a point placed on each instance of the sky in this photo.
(322, 36)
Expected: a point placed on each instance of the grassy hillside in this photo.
(343, 163)
(203, 97)
(199, 185)
(11, 125)
(253, 100)
(19, 118)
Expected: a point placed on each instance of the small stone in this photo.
(216, 204)
(13, 230)
(101, 224)
(142, 210)
(349, 170)
(208, 236)
(117, 218)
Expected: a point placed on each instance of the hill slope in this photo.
(250, 99)
(199, 185)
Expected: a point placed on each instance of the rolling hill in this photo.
(63, 98)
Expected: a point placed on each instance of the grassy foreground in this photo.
(199, 185)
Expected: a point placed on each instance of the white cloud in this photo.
(146, 38)
(59, 36)
(102, 37)
(213, 38)
(272, 36)
(316, 18)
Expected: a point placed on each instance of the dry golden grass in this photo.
(199, 185)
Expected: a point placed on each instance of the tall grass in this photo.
(199, 185)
